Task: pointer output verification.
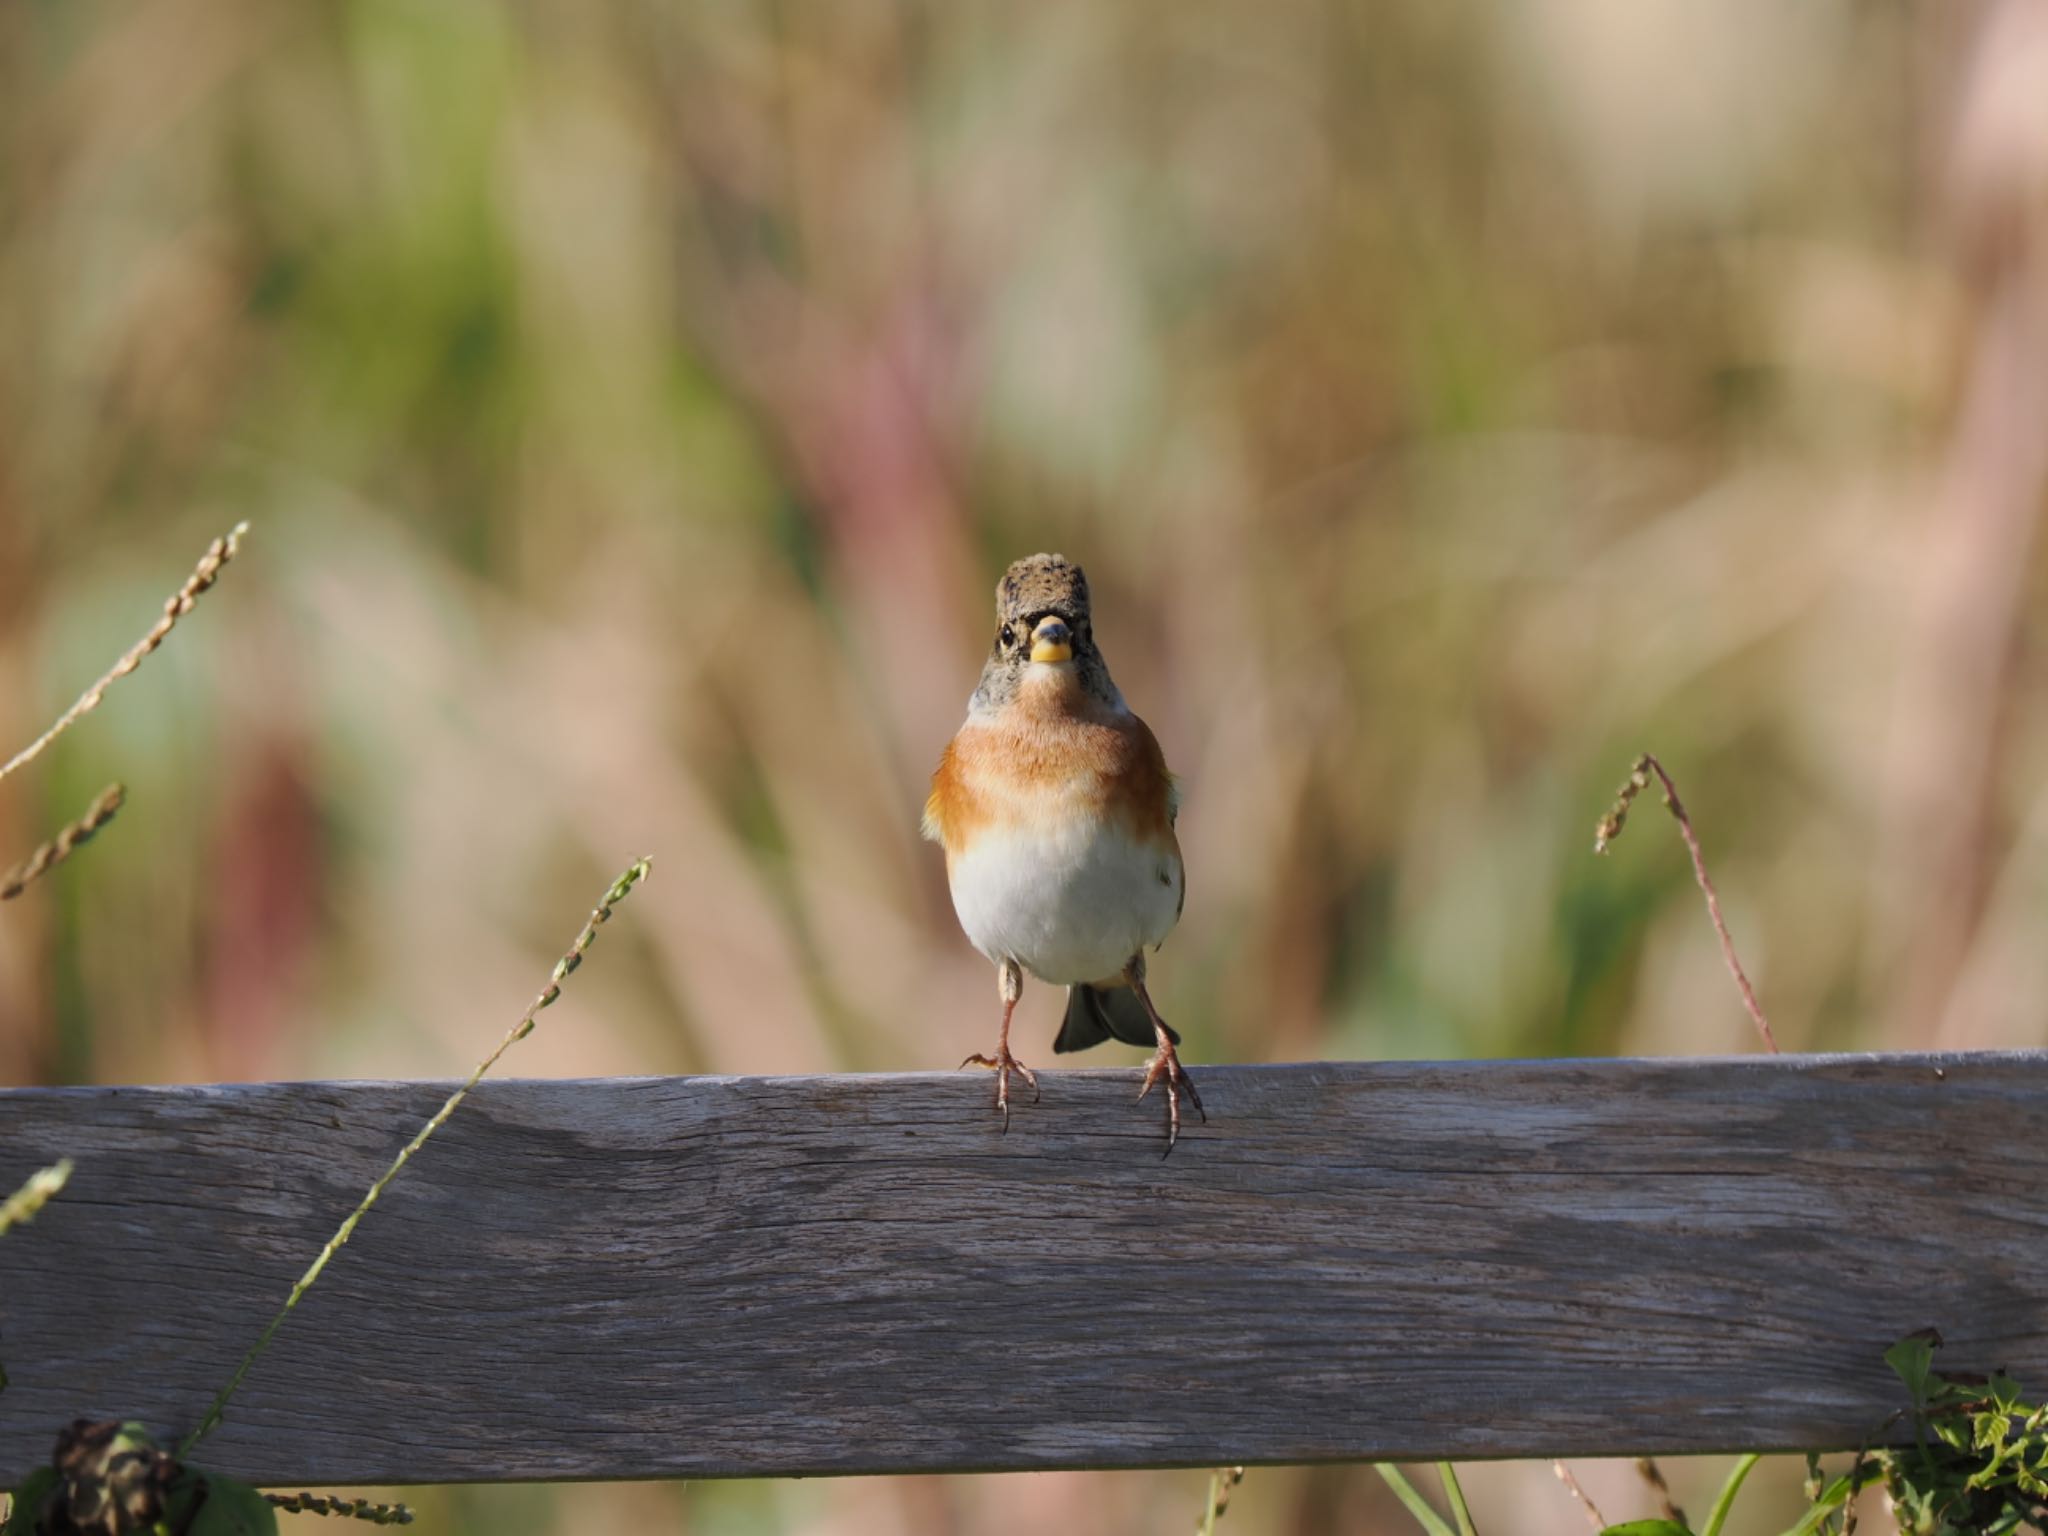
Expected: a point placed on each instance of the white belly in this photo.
(1070, 907)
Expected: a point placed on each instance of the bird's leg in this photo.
(1010, 979)
(1165, 1063)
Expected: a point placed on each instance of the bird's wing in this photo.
(1159, 785)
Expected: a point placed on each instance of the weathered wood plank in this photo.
(717, 1276)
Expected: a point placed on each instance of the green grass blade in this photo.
(1418, 1506)
(1460, 1511)
(1725, 1500)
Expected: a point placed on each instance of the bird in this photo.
(1056, 812)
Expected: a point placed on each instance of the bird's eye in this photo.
(1009, 636)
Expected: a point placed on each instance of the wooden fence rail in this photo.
(737, 1276)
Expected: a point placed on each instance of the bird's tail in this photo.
(1094, 1014)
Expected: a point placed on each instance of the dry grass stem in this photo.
(59, 848)
(599, 916)
(1564, 1475)
(1654, 1476)
(42, 1187)
(1609, 828)
(350, 1509)
(180, 602)
(1222, 1482)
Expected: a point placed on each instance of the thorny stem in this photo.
(1609, 829)
(176, 606)
(59, 848)
(1564, 1475)
(600, 915)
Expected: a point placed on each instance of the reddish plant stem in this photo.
(1610, 828)
(1654, 1476)
(1564, 1475)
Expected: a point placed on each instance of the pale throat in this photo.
(1053, 688)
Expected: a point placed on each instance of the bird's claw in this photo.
(1003, 1064)
(1165, 1067)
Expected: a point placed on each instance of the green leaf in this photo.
(1913, 1507)
(1456, 1494)
(28, 1499)
(1912, 1360)
(1831, 1495)
(1647, 1528)
(231, 1508)
(1725, 1500)
(1418, 1506)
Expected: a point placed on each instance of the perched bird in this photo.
(1056, 813)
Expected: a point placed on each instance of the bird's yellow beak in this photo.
(1052, 640)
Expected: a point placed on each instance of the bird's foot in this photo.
(1165, 1067)
(1003, 1064)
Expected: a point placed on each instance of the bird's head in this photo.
(1042, 612)
(1045, 641)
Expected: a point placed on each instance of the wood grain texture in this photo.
(722, 1277)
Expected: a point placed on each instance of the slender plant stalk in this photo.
(1456, 1494)
(599, 916)
(42, 1187)
(1725, 1499)
(1418, 1506)
(1609, 829)
(59, 848)
(1222, 1483)
(176, 606)
(349, 1509)
(1654, 1476)
(19, 1208)
(1564, 1475)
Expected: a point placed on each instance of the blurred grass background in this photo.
(635, 403)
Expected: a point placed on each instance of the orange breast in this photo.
(1030, 763)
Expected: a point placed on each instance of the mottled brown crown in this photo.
(1043, 584)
